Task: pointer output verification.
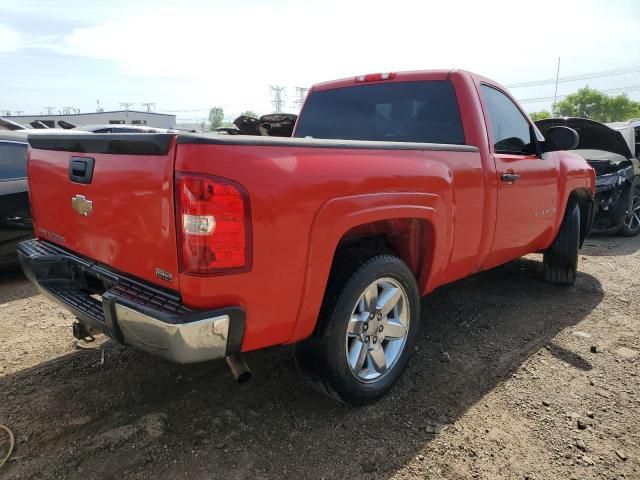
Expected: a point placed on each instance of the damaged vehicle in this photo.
(617, 199)
(271, 125)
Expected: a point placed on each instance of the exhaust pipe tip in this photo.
(239, 368)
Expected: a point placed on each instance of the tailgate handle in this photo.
(81, 169)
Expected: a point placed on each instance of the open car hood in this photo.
(272, 125)
(593, 135)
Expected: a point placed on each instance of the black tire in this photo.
(561, 258)
(322, 358)
(631, 224)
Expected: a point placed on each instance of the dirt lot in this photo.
(523, 395)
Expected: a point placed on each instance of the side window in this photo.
(13, 160)
(511, 132)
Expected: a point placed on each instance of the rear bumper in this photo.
(131, 311)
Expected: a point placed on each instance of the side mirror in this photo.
(560, 138)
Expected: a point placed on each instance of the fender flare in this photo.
(339, 215)
(574, 177)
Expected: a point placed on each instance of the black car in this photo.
(617, 200)
(15, 215)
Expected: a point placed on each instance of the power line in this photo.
(573, 78)
(630, 88)
(278, 100)
(555, 93)
(188, 110)
(532, 83)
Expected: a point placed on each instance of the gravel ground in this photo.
(512, 378)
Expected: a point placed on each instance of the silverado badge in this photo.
(164, 275)
(81, 205)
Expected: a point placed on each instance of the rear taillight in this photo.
(213, 223)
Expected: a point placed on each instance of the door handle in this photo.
(81, 169)
(510, 177)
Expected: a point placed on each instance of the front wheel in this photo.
(561, 258)
(366, 331)
(631, 224)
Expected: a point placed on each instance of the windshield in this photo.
(425, 112)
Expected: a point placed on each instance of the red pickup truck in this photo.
(203, 246)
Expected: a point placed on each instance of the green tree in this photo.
(591, 103)
(622, 108)
(250, 113)
(216, 117)
(541, 115)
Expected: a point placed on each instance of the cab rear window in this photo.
(424, 112)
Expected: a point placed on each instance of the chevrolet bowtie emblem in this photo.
(81, 205)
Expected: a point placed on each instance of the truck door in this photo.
(527, 183)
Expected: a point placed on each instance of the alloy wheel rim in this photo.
(632, 221)
(377, 330)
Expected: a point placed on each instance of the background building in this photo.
(131, 117)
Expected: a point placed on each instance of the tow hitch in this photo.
(82, 332)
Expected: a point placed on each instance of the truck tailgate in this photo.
(123, 215)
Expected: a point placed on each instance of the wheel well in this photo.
(585, 203)
(408, 238)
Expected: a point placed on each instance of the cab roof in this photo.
(407, 76)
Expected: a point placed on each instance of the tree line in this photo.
(216, 117)
(593, 104)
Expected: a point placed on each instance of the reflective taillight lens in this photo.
(213, 222)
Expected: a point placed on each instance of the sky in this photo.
(192, 55)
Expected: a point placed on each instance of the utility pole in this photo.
(555, 95)
(149, 106)
(278, 101)
(50, 110)
(126, 105)
(98, 108)
(301, 93)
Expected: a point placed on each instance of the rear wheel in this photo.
(366, 330)
(631, 224)
(561, 258)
